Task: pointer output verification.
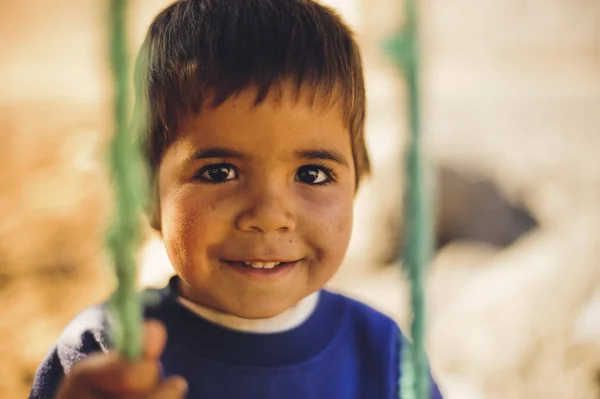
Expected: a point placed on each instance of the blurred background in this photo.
(511, 118)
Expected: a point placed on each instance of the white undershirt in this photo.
(285, 321)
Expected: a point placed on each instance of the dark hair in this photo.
(208, 50)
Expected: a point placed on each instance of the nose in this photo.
(267, 210)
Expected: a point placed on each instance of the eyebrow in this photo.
(216, 152)
(327, 155)
(312, 154)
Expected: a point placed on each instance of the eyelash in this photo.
(206, 168)
(331, 176)
(328, 171)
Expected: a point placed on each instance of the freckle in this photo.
(290, 241)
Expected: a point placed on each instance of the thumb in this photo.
(155, 338)
(171, 388)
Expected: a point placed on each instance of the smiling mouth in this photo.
(261, 264)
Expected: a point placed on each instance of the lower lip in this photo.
(277, 271)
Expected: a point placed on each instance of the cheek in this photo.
(331, 221)
(189, 221)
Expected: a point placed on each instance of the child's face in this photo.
(266, 183)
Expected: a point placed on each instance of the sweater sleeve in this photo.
(86, 334)
(48, 377)
(435, 391)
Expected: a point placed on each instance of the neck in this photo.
(287, 320)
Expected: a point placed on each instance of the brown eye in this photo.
(217, 173)
(313, 174)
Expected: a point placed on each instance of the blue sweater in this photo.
(344, 350)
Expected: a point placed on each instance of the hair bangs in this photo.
(198, 54)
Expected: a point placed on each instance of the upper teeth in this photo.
(262, 265)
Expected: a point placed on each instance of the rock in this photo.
(469, 208)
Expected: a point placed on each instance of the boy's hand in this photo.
(111, 376)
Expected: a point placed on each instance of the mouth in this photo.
(262, 264)
(263, 267)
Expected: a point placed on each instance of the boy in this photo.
(254, 136)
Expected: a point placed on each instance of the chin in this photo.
(252, 311)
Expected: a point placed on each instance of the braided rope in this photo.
(124, 234)
(404, 48)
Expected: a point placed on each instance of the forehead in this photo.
(285, 119)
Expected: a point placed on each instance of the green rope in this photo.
(124, 233)
(404, 48)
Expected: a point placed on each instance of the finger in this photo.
(70, 389)
(111, 374)
(155, 337)
(171, 388)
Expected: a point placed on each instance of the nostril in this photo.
(266, 222)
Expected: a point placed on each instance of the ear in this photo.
(154, 214)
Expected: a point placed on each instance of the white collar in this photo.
(287, 320)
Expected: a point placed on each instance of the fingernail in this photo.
(182, 385)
